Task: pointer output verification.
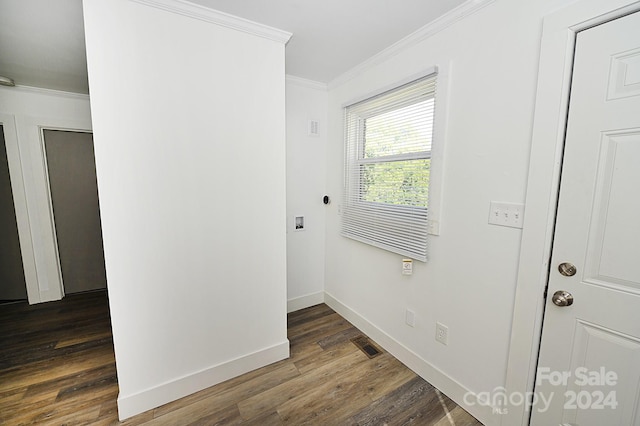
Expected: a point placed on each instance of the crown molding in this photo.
(454, 15)
(311, 84)
(48, 92)
(202, 13)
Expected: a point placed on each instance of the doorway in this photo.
(12, 282)
(73, 188)
(589, 363)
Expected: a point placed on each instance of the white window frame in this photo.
(432, 225)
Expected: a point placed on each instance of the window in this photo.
(388, 158)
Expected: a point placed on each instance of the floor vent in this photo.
(363, 343)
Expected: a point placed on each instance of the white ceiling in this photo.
(42, 41)
(42, 44)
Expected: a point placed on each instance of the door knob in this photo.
(567, 269)
(562, 298)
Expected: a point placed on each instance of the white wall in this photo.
(24, 112)
(189, 134)
(469, 282)
(306, 173)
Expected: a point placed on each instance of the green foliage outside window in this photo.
(395, 183)
(397, 132)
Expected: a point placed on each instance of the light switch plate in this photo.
(506, 214)
(313, 128)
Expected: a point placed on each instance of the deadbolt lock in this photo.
(567, 269)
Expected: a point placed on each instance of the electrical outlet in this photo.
(407, 267)
(410, 318)
(442, 333)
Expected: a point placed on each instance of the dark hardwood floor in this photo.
(57, 368)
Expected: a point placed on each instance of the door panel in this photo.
(624, 76)
(617, 182)
(12, 282)
(76, 211)
(589, 363)
(594, 348)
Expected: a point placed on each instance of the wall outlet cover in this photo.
(407, 267)
(442, 333)
(410, 318)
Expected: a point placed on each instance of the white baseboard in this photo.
(130, 405)
(424, 369)
(305, 301)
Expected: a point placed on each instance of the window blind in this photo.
(388, 141)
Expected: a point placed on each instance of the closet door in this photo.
(76, 210)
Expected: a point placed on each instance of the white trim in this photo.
(305, 301)
(439, 379)
(20, 205)
(49, 284)
(202, 13)
(552, 98)
(51, 92)
(54, 232)
(311, 84)
(130, 405)
(439, 145)
(465, 9)
(406, 80)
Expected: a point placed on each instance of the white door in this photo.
(589, 365)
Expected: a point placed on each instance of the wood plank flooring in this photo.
(57, 368)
